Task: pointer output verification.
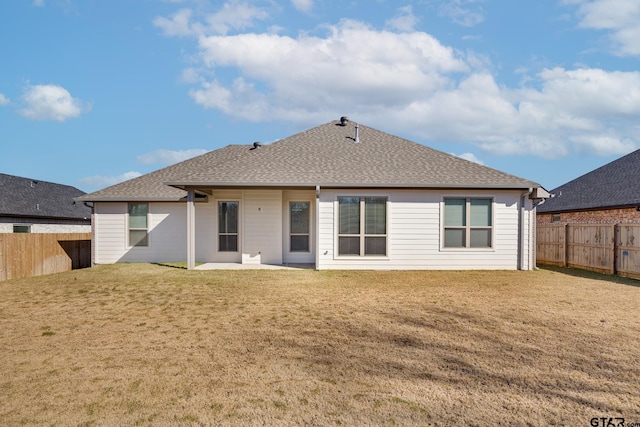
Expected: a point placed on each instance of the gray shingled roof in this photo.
(151, 186)
(26, 197)
(616, 184)
(326, 155)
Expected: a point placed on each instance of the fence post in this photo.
(565, 246)
(614, 247)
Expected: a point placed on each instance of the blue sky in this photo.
(93, 92)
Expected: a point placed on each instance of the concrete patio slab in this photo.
(239, 266)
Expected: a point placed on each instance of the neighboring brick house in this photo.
(32, 206)
(609, 194)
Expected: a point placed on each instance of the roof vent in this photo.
(357, 138)
(343, 120)
(256, 145)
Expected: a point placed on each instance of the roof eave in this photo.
(50, 217)
(129, 199)
(184, 185)
(589, 209)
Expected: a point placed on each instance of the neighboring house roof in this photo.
(614, 185)
(26, 197)
(328, 156)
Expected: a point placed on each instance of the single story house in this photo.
(32, 206)
(337, 196)
(609, 194)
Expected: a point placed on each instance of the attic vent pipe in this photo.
(343, 120)
(357, 139)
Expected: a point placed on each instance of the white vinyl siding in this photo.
(262, 217)
(414, 233)
(166, 228)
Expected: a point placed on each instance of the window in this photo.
(299, 226)
(138, 224)
(22, 229)
(468, 223)
(228, 226)
(362, 226)
(555, 218)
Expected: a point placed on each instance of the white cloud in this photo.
(303, 5)
(178, 25)
(410, 83)
(190, 76)
(4, 100)
(38, 3)
(587, 110)
(469, 156)
(168, 157)
(234, 15)
(354, 65)
(404, 21)
(619, 17)
(51, 102)
(98, 181)
(463, 12)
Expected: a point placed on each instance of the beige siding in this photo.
(206, 230)
(262, 237)
(110, 232)
(167, 234)
(414, 234)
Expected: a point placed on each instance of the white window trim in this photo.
(289, 233)
(217, 225)
(337, 235)
(148, 229)
(468, 249)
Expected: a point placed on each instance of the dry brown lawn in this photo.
(153, 345)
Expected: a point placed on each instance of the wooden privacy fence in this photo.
(34, 254)
(607, 248)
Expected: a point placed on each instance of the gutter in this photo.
(184, 184)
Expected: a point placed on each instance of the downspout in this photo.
(521, 231)
(534, 232)
(317, 228)
(93, 232)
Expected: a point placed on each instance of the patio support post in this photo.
(191, 229)
(317, 227)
